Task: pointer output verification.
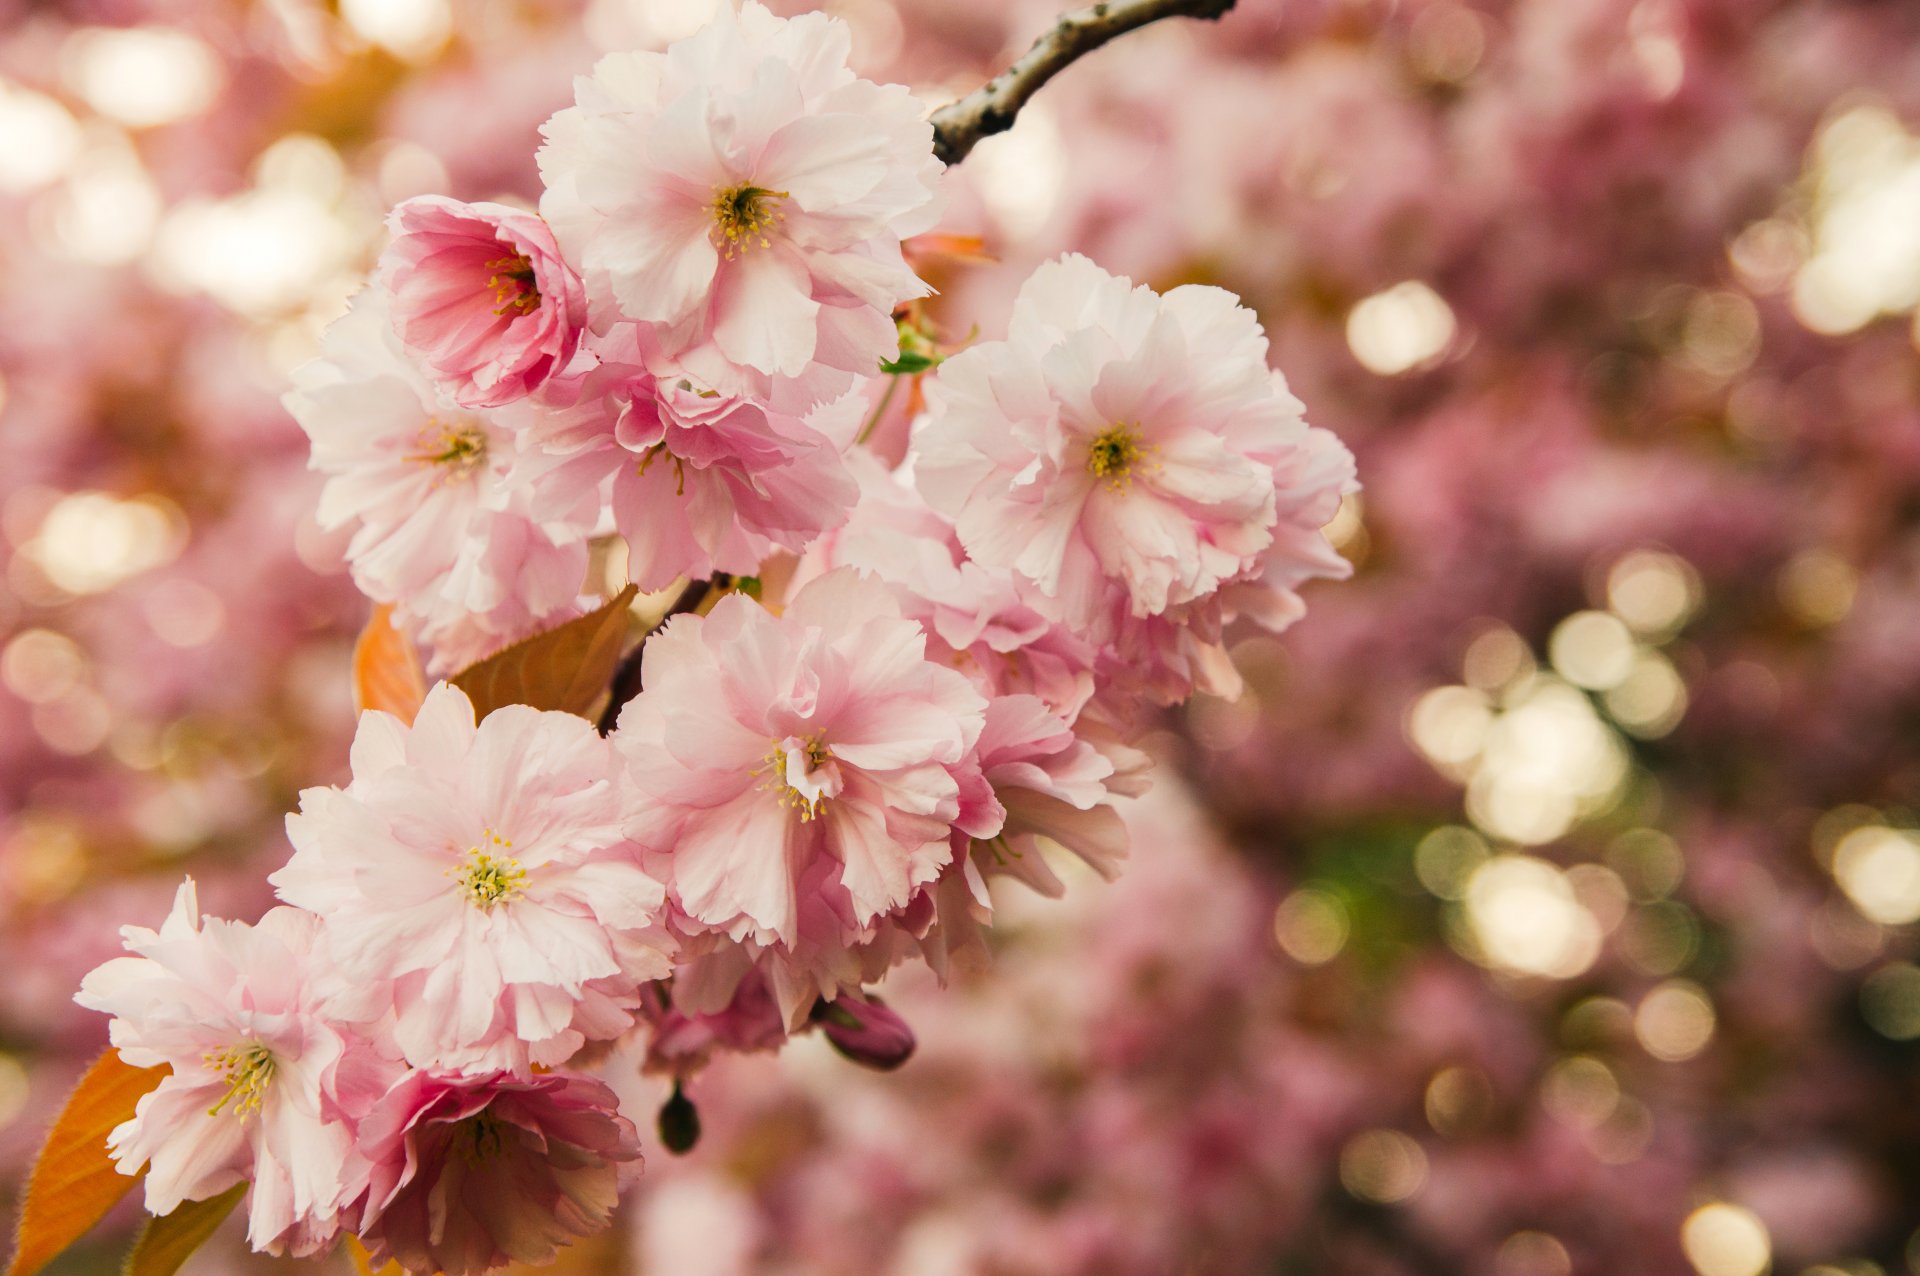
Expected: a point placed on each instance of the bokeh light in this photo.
(1726, 1240)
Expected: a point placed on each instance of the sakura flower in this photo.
(262, 1085)
(700, 482)
(1052, 785)
(471, 1173)
(745, 195)
(978, 619)
(1164, 659)
(437, 528)
(715, 1002)
(1048, 783)
(474, 879)
(1120, 445)
(804, 775)
(481, 297)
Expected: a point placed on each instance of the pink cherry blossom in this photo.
(1047, 783)
(437, 527)
(262, 1086)
(745, 195)
(686, 1029)
(481, 297)
(698, 482)
(805, 775)
(475, 880)
(1119, 445)
(471, 1173)
(1164, 659)
(978, 619)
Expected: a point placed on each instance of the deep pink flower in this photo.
(698, 482)
(481, 297)
(471, 1173)
(805, 774)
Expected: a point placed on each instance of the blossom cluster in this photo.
(901, 682)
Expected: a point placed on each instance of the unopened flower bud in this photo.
(865, 1031)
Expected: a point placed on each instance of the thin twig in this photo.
(880, 410)
(992, 107)
(626, 678)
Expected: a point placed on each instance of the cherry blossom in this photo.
(474, 880)
(1120, 444)
(481, 297)
(263, 1087)
(470, 1173)
(803, 775)
(744, 195)
(696, 481)
(423, 484)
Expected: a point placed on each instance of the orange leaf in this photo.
(932, 247)
(74, 1182)
(386, 672)
(567, 668)
(168, 1241)
(363, 1263)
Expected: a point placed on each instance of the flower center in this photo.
(480, 1137)
(248, 1070)
(1112, 454)
(513, 284)
(742, 216)
(804, 774)
(490, 876)
(460, 448)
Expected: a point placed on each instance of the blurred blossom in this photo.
(1543, 905)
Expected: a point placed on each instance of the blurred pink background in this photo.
(1547, 905)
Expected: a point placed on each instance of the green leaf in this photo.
(567, 668)
(909, 363)
(74, 1182)
(168, 1241)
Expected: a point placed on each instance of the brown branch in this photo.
(993, 106)
(626, 678)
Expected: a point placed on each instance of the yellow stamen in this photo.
(679, 467)
(490, 876)
(1113, 454)
(248, 1071)
(817, 755)
(513, 284)
(460, 448)
(743, 216)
